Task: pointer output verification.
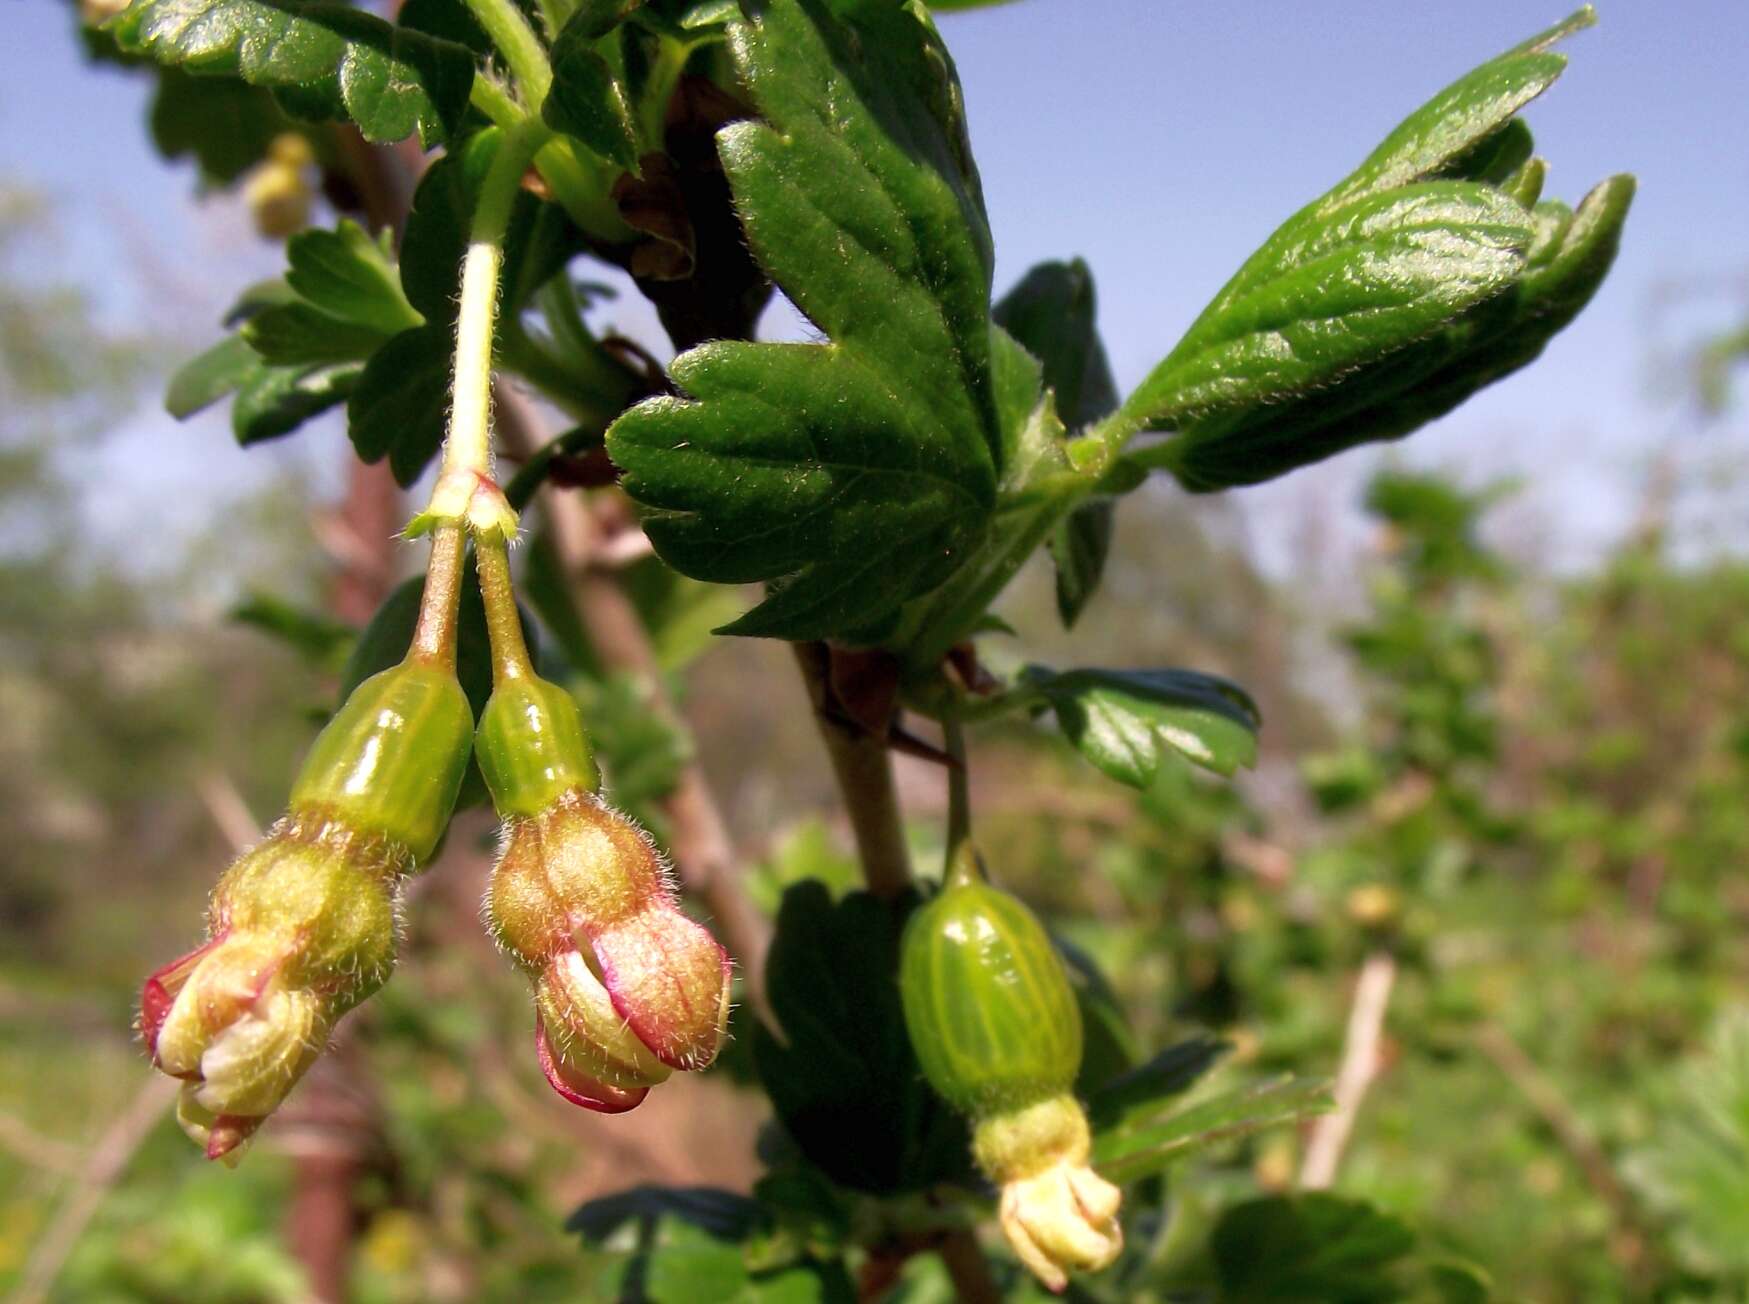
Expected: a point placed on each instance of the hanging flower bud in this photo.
(302, 926)
(627, 987)
(997, 1033)
(278, 190)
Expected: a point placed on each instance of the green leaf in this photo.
(1288, 1249)
(329, 58)
(1130, 722)
(295, 333)
(320, 639)
(1142, 1090)
(400, 409)
(844, 1080)
(1387, 301)
(1051, 312)
(1566, 263)
(855, 475)
(537, 244)
(1362, 282)
(1464, 116)
(1129, 1152)
(224, 125)
(204, 380)
(274, 401)
(347, 275)
(685, 1244)
(587, 100)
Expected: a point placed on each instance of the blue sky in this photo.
(1159, 140)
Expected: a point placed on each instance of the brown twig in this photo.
(968, 1268)
(704, 853)
(863, 767)
(1360, 1065)
(1545, 1097)
(102, 1169)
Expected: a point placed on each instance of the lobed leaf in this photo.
(855, 475)
(1130, 723)
(326, 59)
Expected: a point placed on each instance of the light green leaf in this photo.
(855, 475)
(204, 380)
(1129, 723)
(347, 274)
(1128, 1153)
(328, 57)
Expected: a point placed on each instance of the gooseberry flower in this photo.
(302, 927)
(627, 987)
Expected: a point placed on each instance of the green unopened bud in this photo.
(997, 1033)
(989, 1009)
(392, 759)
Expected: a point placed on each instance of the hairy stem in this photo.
(434, 636)
(510, 658)
(863, 767)
(469, 446)
(521, 48)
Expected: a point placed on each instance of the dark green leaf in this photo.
(318, 638)
(1290, 1249)
(1128, 1152)
(845, 1082)
(587, 101)
(224, 124)
(1052, 313)
(453, 21)
(853, 475)
(400, 408)
(595, 18)
(1129, 722)
(331, 59)
(204, 380)
(1141, 1090)
(723, 1214)
(274, 401)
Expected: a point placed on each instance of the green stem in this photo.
(521, 47)
(494, 101)
(434, 637)
(469, 447)
(959, 794)
(510, 659)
